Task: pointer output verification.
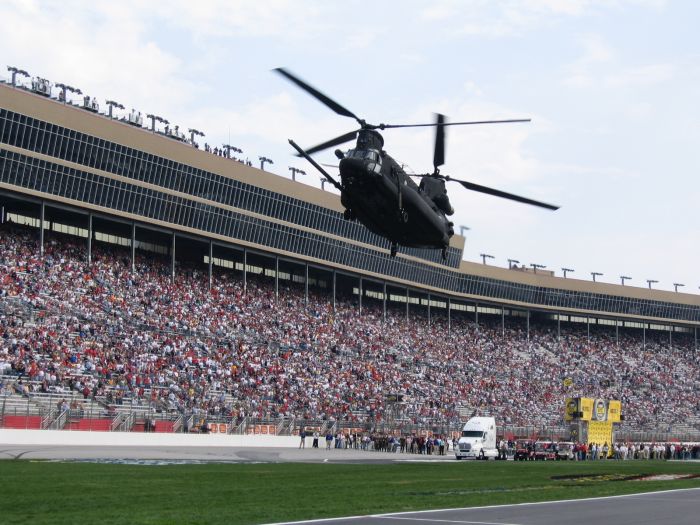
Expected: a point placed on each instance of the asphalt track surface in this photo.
(674, 507)
(208, 454)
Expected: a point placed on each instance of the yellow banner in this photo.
(600, 432)
(586, 406)
(614, 411)
(571, 408)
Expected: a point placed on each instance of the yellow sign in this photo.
(586, 405)
(600, 432)
(600, 410)
(614, 411)
(571, 408)
(589, 409)
(568, 381)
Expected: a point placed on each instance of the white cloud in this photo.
(641, 75)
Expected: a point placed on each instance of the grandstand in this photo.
(148, 285)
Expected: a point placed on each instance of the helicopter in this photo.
(376, 190)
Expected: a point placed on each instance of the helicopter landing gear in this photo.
(444, 253)
(348, 215)
(403, 216)
(394, 248)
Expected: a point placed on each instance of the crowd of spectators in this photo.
(176, 345)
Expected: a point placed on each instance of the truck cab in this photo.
(478, 439)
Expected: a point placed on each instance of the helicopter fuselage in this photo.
(382, 196)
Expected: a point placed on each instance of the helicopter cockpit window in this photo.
(363, 154)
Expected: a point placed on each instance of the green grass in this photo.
(46, 492)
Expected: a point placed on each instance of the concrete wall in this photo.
(126, 439)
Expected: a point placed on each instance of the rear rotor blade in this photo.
(439, 155)
(340, 110)
(333, 142)
(503, 194)
(469, 123)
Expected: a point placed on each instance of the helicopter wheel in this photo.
(403, 216)
(394, 248)
(444, 254)
(348, 215)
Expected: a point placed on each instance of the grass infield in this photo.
(49, 492)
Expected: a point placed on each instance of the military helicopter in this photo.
(377, 191)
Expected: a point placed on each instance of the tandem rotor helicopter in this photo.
(376, 191)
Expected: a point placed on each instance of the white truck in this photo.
(478, 439)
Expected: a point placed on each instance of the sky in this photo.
(612, 88)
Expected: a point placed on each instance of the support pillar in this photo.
(695, 330)
(133, 247)
(644, 336)
(333, 290)
(503, 322)
(277, 278)
(359, 294)
(211, 262)
(429, 319)
(384, 303)
(41, 229)
(172, 260)
(407, 299)
(245, 270)
(670, 336)
(588, 328)
(528, 326)
(306, 284)
(476, 315)
(449, 315)
(558, 327)
(617, 333)
(89, 239)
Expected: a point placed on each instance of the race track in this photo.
(674, 507)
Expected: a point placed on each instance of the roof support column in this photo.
(41, 228)
(172, 260)
(588, 328)
(333, 290)
(407, 299)
(503, 322)
(306, 284)
(528, 326)
(449, 315)
(384, 303)
(558, 327)
(429, 319)
(211, 262)
(89, 239)
(359, 294)
(277, 278)
(133, 247)
(245, 270)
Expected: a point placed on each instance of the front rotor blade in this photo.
(439, 155)
(503, 194)
(333, 142)
(469, 123)
(340, 110)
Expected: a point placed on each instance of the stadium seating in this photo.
(108, 338)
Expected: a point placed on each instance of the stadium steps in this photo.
(19, 412)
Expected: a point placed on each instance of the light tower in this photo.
(264, 160)
(113, 104)
(15, 71)
(296, 171)
(194, 132)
